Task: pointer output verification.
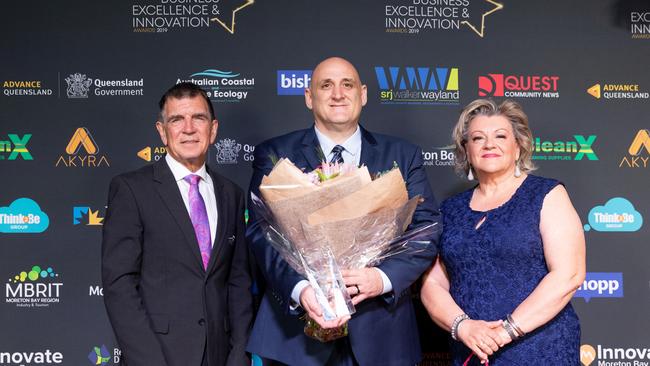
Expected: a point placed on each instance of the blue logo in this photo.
(293, 82)
(418, 85)
(85, 215)
(23, 216)
(99, 355)
(618, 214)
(601, 284)
(215, 74)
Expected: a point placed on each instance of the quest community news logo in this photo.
(82, 152)
(37, 287)
(601, 284)
(15, 147)
(79, 86)
(222, 86)
(578, 149)
(418, 85)
(100, 355)
(617, 214)
(23, 215)
(293, 82)
(519, 86)
(638, 152)
(611, 356)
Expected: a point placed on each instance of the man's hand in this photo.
(362, 284)
(313, 309)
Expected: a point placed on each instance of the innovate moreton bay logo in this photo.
(37, 287)
(614, 355)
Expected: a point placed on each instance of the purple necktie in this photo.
(199, 217)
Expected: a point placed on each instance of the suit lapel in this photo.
(311, 149)
(169, 193)
(369, 151)
(222, 211)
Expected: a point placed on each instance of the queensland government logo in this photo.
(601, 284)
(25, 88)
(38, 287)
(578, 149)
(614, 355)
(419, 16)
(293, 82)
(82, 152)
(617, 214)
(24, 358)
(640, 24)
(228, 151)
(617, 91)
(222, 86)
(163, 16)
(518, 86)
(79, 86)
(23, 215)
(84, 215)
(638, 152)
(418, 85)
(15, 147)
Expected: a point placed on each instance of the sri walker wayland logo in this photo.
(618, 214)
(617, 91)
(84, 215)
(82, 152)
(614, 356)
(293, 82)
(519, 86)
(23, 215)
(15, 147)
(418, 85)
(578, 149)
(222, 86)
(37, 287)
(601, 284)
(638, 152)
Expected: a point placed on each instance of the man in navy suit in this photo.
(175, 265)
(383, 331)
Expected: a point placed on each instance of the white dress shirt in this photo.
(206, 188)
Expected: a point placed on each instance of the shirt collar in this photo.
(352, 145)
(180, 171)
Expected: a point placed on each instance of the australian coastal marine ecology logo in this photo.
(38, 287)
(418, 85)
(163, 16)
(222, 86)
(419, 16)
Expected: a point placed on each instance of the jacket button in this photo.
(201, 322)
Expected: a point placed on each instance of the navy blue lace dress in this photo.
(492, 269)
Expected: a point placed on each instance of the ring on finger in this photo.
(357, 287)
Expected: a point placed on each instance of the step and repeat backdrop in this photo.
(80, 86)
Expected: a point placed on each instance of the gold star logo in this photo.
(231, 28)
(93, 218)
(497, 7)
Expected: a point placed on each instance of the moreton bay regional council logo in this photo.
(78, 85)
(227, 151)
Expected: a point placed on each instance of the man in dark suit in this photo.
(175, 266)
(383, 331)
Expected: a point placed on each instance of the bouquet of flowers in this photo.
(335, 217)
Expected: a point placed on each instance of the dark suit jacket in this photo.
(163, 306)
(383, 331)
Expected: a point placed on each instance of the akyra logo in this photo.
(614, 356)
(618, 214)
(19, 148)
(85, 215)
(639, 151)
(23, 215)
(46, 357)
(418, 85)
(518, 86)
(36, 288)
(88, 158)
(601, 284)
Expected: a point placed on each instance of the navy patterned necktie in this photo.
(337, 154)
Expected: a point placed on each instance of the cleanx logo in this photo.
(82, 139)
(639, 151)
(563, 150)
(19, 147)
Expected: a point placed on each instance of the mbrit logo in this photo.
(293, 82)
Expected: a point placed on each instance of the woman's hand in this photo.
(482, 337)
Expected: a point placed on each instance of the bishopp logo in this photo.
(616, 355)
(518, 86)
(640, 24)
(293, 82)
(617, 91)
(618, 214)
(78, 85)
(565, 150)
(23, 215)
(16, 147)
(148, 154)
(420, 16)
(84, 215)
(418, 85)
(222, 86)
(601, 284)
(228, 151)
(81, 152)
(37, 287)
(439, 156)
(638, 152)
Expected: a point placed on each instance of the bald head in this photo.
(337, 65)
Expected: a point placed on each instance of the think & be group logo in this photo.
(23, 215)
(38, 287)
(418, 85)
(618, 214)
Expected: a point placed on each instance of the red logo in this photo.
(500, 85)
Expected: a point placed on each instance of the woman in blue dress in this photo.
(512, 252)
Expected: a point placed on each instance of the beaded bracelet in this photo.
(456, 323)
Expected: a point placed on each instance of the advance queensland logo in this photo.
(25, 88)
(617, 91)
(23, 215)
(415, 16)
(565, 150)
(601, 284)
(418, 85)
(639, 151)
(38, 287)
(79, 86)
(518, 86)
(222, 86)
(614, 356)
(618, 214)
(293, 82)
